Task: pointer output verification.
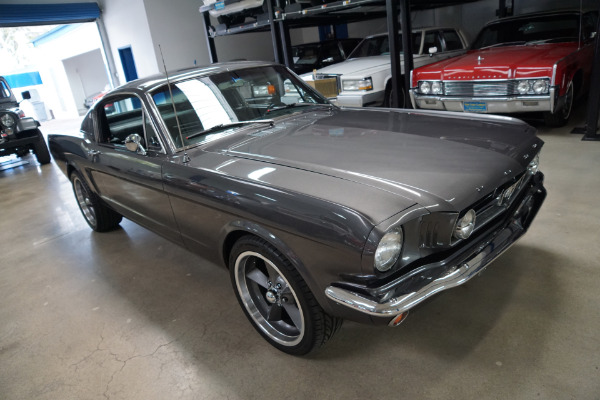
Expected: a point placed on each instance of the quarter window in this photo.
(123, 116)
(452, 40)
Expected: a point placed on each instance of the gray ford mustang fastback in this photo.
(319, 213)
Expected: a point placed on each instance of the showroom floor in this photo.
(128, 315)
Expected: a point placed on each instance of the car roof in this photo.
(151, 82)
(420, 29)
(537, 14)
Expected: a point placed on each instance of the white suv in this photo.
(365, 78)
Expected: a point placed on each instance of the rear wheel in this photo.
(40, 149)
(98, 216)
(276, 299)
(561, 117)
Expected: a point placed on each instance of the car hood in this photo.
(357, 65)
(505, 62)
(441, 161)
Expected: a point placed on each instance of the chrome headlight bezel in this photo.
(536, 87)
(357, 85)
(534, 165)
(388, 250)
(430, 87)
(7, 120)
(465, 225)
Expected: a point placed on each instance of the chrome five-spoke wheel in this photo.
(99, 217)
(276, 300)
(269, 298)
(83, 199)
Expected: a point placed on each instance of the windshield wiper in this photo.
(221, 127)
(293, 105)
(517, 43)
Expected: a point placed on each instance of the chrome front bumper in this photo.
(454, 271)
(495, 105)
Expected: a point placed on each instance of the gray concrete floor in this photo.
(128, 315)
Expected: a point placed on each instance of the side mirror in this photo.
(133, 143)
(26, 95)
(433, 50)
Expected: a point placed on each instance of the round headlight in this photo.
(534, 165)
(388, 250)
(436, 87)
(540, 86)
(523, 87)
(425, 87)
(7, 120)
(465, 226)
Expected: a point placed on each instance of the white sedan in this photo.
(365, 78)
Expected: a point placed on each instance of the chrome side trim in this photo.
(398, 305)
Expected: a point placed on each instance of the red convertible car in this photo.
(536, 62)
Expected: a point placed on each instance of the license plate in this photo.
(475, 106)
(220, 5)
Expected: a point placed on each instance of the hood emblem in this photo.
(480, 59)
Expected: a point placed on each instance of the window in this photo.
(452, 40)
(122, 117)
(432, 39)
(4, 90)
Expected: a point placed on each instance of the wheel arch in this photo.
(237, 229)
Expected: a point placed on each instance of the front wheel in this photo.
(98, 216)
(389, 94)
(276, 299)
(561, 117)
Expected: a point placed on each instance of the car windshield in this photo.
(306, 54)
(542, 29)
(379, 46)
(208, 106)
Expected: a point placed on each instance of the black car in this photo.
(309, 56)
(19, 134)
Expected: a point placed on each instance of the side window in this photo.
(122, 116)
(432, 39)
(416, 44)
(452, 40)
(330, 52)
(4, 92)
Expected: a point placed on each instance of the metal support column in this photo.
(210, 41)
(391, 8)
(286, 44)
(593, 111)
(273, 26)
(407, 46)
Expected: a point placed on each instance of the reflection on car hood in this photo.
(357, 65)
(435, 159)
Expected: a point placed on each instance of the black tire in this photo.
(561, 117)
(389, 92)
(98, 216)
(40, 149)
(276, 300)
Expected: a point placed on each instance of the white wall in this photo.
(57, 91)
(86, 75)
(127, 25)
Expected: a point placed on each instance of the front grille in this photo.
(474, 89)
(327, 85)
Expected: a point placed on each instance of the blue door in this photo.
(128, 64)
